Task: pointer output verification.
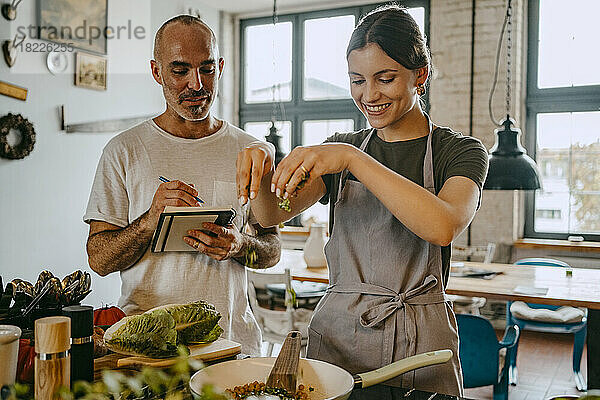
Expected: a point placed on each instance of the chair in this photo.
(482, 357)
(485, 254)
(275, 324)
(547, 318)
(308, 294)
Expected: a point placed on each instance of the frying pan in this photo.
(329, 381)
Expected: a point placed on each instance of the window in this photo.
(261, 129)
(296, 72)
(325, 68)
(563, 99)
(270, 66)
(315, 132)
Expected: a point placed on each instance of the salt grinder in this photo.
(82, 346)
(52, 360)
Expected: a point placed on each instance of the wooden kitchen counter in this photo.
(108, 361)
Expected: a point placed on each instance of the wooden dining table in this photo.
(533, 284)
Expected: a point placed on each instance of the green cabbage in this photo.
(196, 334)
(195, 322)
(157, 333)
(152, 334)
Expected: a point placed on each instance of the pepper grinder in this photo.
(82, 346)
(52, 360)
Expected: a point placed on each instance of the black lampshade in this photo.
(510, 168)
(275, 139)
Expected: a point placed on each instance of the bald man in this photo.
(197, 152)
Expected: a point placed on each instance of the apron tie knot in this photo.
(378, 313)
(375, 315)
(400, 298)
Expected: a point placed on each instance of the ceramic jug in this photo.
(314, 248)
(9, 350)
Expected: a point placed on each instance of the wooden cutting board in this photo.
(220, 348)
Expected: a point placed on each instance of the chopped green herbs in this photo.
(250, 257)
(284, 204)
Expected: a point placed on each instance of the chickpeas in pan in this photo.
(260, 388)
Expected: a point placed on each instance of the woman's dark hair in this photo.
(393, 29)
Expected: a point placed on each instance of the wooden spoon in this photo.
(284, 371)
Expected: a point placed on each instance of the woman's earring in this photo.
(420, 89)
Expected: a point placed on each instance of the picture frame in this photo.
(80, 24)
(90, 71)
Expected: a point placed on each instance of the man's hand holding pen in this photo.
(172, 193)
(163, 179)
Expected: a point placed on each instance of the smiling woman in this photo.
(399, 193)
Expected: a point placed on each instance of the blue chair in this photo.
(482, 357)
(534, 323)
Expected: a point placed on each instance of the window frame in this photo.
(549, 100)
(299, 110)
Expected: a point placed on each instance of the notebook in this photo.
(174, 222)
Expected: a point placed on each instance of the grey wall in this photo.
(43, 196)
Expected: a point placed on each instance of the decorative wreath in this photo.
(25, 145)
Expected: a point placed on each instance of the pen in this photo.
(163, 179)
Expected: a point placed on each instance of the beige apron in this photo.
(386, 300)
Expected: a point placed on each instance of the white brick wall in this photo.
(450, 31)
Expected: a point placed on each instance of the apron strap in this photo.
(428, 176)
(344, 173)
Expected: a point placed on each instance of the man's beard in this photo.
(195, 110)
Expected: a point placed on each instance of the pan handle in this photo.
(399, 367)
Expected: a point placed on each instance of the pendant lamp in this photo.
(510, 168)
(273, 137)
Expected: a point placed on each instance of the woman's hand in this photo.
(306, 163)
(254, 162)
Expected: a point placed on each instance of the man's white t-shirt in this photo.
(125, 182)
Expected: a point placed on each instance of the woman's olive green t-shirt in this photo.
(453, 155)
